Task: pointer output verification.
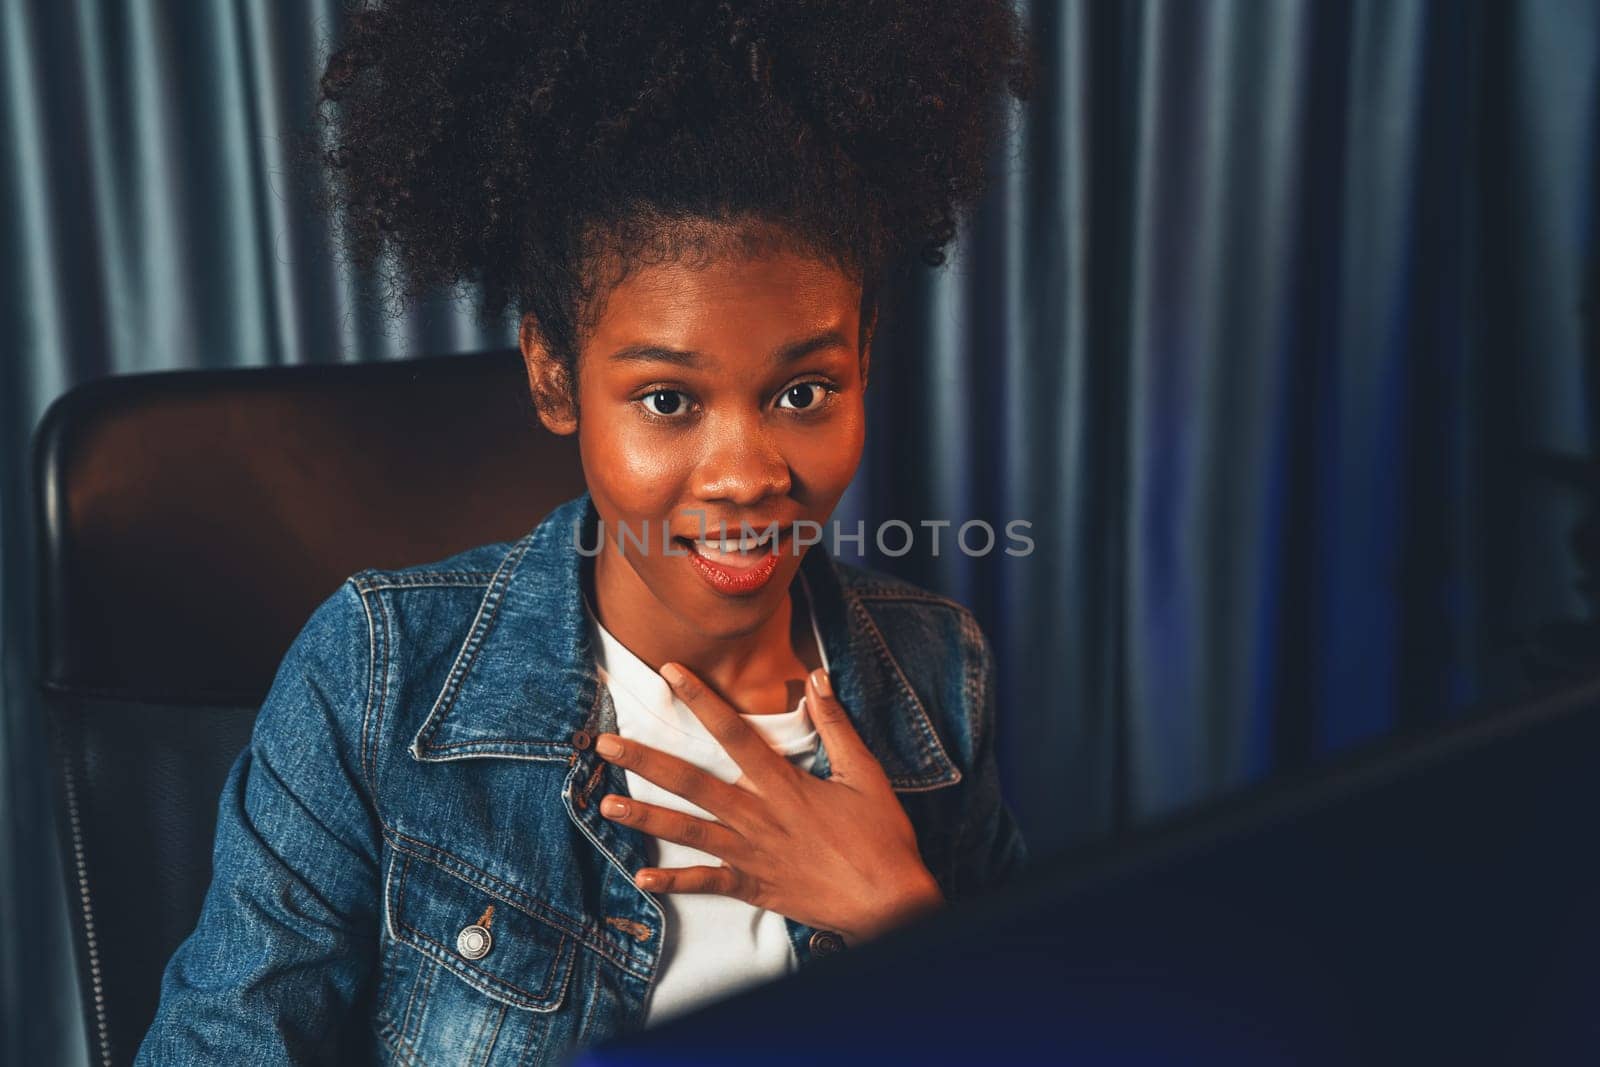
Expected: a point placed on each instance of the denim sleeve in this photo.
(992, 852)
(285, 945)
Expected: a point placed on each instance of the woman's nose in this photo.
(741, 464)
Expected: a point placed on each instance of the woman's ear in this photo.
(548, 380)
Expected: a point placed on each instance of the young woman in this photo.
(506, 805)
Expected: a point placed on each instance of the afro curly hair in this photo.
(518, 145)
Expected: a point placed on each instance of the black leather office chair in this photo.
(189, 524)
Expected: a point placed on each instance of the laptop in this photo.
(1435, 901)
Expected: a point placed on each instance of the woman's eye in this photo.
(664, 402)
(803, 397)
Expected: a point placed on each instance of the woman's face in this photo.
(731, 390)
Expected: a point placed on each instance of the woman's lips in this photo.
(734, 572)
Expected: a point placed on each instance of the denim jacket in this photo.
(425, 754)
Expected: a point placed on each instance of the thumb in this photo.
(848, 755)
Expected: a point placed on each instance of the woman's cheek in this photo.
(653, 462)
(632, 457)
(827, 461)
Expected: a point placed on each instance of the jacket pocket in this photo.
(525, 961)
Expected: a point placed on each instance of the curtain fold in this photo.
(1260, 330)
(1266, 313)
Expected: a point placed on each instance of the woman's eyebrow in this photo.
(800, 349)
(787, 353)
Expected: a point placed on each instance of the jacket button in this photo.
(581, 740)
(473, 942)
(826, 943)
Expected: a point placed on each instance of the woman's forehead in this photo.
(731, 302)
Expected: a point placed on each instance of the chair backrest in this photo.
(189, 523)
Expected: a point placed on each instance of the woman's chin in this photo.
(722, 615)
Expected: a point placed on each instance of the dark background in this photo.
(1274, 328)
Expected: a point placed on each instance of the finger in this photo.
(848, 755)
(722, 881)
(738, 738)
(683, 828)
(678, 777)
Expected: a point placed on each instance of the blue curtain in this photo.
(1262, 332)
(1268, 308)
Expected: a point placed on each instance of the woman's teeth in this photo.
(733, 547)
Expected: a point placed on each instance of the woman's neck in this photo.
(760, 671)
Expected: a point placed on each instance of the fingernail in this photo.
(647, 880)
(672, 674)
(615, 807)
(819, 678)
(608, 746)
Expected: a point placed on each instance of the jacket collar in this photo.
(524, 680)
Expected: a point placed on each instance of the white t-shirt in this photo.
(713, 945)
